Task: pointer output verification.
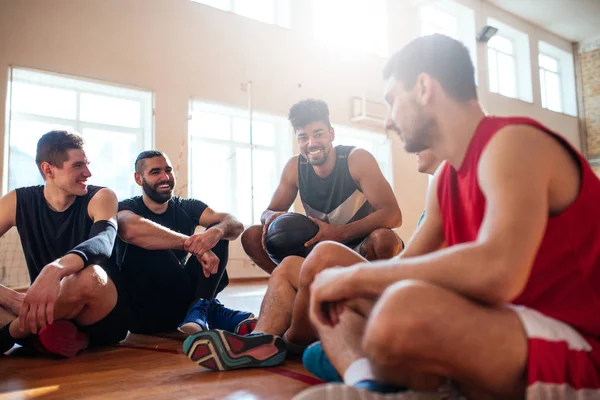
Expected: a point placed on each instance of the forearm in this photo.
(228, 229)
(363, 227)
(468, 269)
(264, 217)
(8, 297)
(151, 236)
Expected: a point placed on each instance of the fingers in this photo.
(31, 318)
(315, 239)
(50, 312)
(23, 315)
(41, 316)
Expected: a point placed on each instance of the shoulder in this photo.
(361, 162)
(131, 204)
(28, 192)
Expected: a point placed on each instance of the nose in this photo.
(87, 173)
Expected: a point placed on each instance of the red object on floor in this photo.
(62, 338)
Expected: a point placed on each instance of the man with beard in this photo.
(67, 230)
(345, 193)
(341, 188)
(509, 309)
(157, 232)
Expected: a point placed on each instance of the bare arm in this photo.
(9, 299)
(148, 235)
(286, 192)
(494, 268)
(226, 225)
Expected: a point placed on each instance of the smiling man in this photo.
(342, 189)
(67, 229)
(157, 231)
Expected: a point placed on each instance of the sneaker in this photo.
(246, 326)
(316, 362)
(195, 320)
(218, 350)
(61, 338)
(221, 317)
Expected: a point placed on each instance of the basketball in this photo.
(287, 234)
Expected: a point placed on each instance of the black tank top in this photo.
(46, 234)
(335, 199)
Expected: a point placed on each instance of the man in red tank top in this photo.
(510, 308)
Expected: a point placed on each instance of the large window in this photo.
(358, 24)
(234, 168)
(275, 12)
(509, 63)
(557, 79)
(115, 122)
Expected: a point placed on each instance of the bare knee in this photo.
(251, 239)
(89, 284)
(400, 322)
(325, 255)
(288, 270)
(383, 244)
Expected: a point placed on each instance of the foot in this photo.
(246, 326)
(196, 319)
(61, 338)
(219, 350)
(316, 362)
(221, 317)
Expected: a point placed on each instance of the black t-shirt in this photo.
(47, 234)
(182, 215)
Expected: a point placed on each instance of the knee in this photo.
(90, 283)
(399, 323)
(251, 238)
(321, 257)
(385, 243)
(287, 270)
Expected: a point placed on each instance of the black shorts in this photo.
(110, 329)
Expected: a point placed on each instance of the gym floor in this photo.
(149, 367)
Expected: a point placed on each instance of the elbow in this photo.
(502, 287)
(238, 228)
(126, 232)
(394, 218)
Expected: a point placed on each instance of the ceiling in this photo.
(575, 20)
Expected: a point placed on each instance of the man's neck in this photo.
(325, 169)
(456, 129)
(156, 208)
(57, 199)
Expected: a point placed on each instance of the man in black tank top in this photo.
(343, 190)
(67, 231)
(157, 231)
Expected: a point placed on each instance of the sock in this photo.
(6, 340)
(359, 370)
(293, 348)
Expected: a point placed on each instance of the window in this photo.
(451, 19)
(231, 168)
(557, 79)
(115, 122)
(276, 12)
(375, 143)
(509, 65)
(358, 25)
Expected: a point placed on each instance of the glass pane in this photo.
(241, 130)
(260, 10)
(42, 100)
(507, 76)
(263, 133)
(213, 126)
(243, 186)
(501, 43)
(265, 180)
(222, 4)
(543, 87)
(493, 70)
(553, 96)
(110, 110)
(212, 185)
(549, 63)
(24, 135)
(111, 156)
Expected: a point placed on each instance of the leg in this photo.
(206, 288)
(324, 255)
(381, 244)
(252, 244)
(418, 333)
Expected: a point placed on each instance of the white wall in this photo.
(181, 50)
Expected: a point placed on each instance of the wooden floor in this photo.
(149, 367)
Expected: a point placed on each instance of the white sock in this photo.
(359, 370)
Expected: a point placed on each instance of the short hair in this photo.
(308, 111)
(444, 58)
(139, 161)
(53, 148)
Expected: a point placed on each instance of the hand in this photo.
(209, 262)
(329, 291)
(266, 226)
(16, 303)
(37, 309)
(200, 243)
(326, 232)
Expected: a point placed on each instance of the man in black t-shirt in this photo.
(157, 231)
(67, 231)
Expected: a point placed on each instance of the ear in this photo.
(424, 88)
(47, 170)
(138, 178)
(332, 133)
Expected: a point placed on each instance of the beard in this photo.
(154, 194)
(319, 161)
(421, 137)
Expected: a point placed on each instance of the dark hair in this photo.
(308, 111)
(445, 59)
(53, 147)
(139, 163)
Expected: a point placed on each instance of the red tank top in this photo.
(564, 282)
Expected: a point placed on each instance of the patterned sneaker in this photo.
(246, 326)
(219, 350)
(316, 362)
(195, 320)
(221, 317)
